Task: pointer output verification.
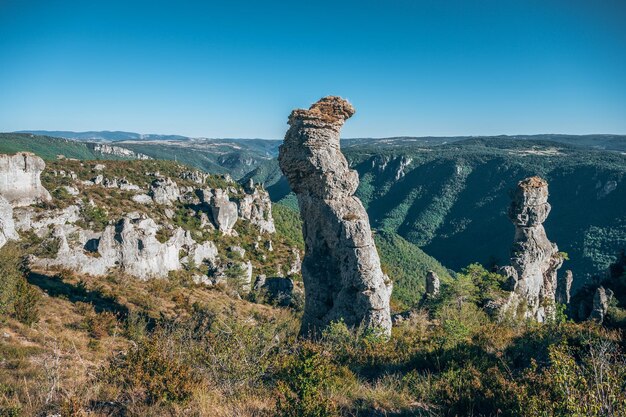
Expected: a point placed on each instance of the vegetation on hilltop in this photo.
(48, 147)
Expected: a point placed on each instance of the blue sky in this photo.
(236, 68)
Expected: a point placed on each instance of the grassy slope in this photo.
(47, 147)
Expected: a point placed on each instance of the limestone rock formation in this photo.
(534, 259)
(20, 179)
(432, 285)
(223, 211)
(278, 289)
(164, 191)
(564, 287)
(341, 268)
(601, 300)
(7, 225)
(130, 245)
(256, 207)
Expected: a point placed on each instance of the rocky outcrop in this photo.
(20, 179)
(119, 151)
(341, 269)
(564, 287)
(432, 285)
(223, 211)
(7, 226)
(532, 275)
(256, 207)
(278, 290)
(601, 299)
(164, 191)
(130, 245)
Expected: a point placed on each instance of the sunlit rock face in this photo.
(7, 225)
(534, 259)
(20, 182)
(341, 268)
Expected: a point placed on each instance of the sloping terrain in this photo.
(451, 199)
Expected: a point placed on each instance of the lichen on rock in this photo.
(341, 268)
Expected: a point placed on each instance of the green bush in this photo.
(302, 386)
(151, 370)
(18, 299)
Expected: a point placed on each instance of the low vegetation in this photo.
(118, 346)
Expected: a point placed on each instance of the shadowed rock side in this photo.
(534, 259)
(341, 268)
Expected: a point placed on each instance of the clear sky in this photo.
(235, 68)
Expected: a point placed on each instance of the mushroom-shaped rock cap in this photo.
(533, 182)
(330, 110)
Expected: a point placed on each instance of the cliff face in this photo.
(534, 259)
(341, 268)
(20, 182)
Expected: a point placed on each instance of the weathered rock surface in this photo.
(130, 245)
(564, 287)
(223, 211)
(601, 300)
(432, 285)
(256, 207)
(20, 179)
(7, 225)
(278, 289)
(164, 191)
(534, 259)
(341, 268)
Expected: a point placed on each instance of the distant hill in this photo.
(236, 157)
(102, 136)
(49, 147)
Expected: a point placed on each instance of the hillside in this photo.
(197, 338)
(235, 157)
(49, 147)
(451, 199)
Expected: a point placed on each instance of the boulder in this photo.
(20, 179)
(432, 285)
(341, 269)
(164, 191)
(223, 211)
(601, 300)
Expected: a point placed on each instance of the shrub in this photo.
(301, 388)
(26, 304)
(152, 371)
(18, 299)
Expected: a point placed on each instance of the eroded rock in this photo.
(534, 259)
(564, 287)
(164, 191)
(7, 225)
(341, 268)
(20, 179)
(601, 300)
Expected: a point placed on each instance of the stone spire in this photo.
(534, 259)
(341, 268)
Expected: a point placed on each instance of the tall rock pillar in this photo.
(534, 259)
(341, 268)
